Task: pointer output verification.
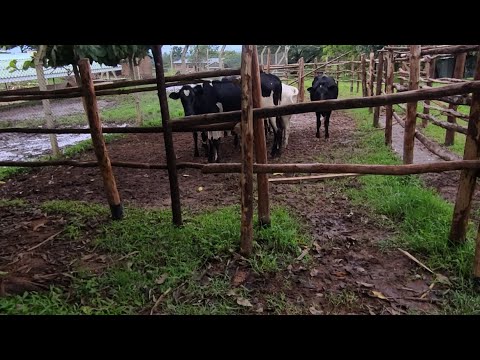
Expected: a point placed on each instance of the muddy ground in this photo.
(347, 262)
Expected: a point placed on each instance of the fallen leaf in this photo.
(185, 175)
(2, 182)
(88, 257)
(302, 255)
(365, 284)
(340, 273)
(129, 265)
(259, 310)
(244, 302)
(314, 311)
(232, 292)
(313, 272)
(379, 295)
(276, 174)
(200, 188)
(239, 277)
(411, 257)
(38, 223)
(161, 279)
(442, 279)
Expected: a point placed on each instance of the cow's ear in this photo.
(309, 89)
(174, 96)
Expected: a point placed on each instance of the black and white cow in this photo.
(225, 95)
(323, 88)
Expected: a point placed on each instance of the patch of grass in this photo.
(159, 258)
(13, 203)
(422, 217)
(343, 299)
(7, 172)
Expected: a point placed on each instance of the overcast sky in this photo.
(238, 48)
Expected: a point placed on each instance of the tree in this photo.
(232, 59)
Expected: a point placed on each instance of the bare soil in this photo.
(349, 273)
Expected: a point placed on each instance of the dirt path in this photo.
(349, 273)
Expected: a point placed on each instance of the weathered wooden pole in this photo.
(426, 109)
(376, 113)
(42, 85)
(260, 146)
(468, 178)
(409, 134)
(301, 80)
(364, 76)
(91, 107)
(352, 71)
(167, 136)
(268, 60)
(246, 176)
(389, 90)
(371, 70)
(458, 72)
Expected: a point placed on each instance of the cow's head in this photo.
(187, 97)
(323, 87)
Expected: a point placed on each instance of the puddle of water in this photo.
(18, 147)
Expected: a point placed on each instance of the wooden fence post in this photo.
(167, 136)
(301, 79)
(364, 76)
(268, 61)
(468, 178)
(458, 72)
(90, 104)
(371, 71)
(246, 176)
(378, 89)
(352, 71)
(409, 134)
(260, 146)
(426, 110)
(389, 108)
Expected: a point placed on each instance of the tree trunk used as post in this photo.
(458, 72)
(184, 53)
(426, 109)
(136, 96)
(468, 178)
(246, 176)
(364, 76)
(409, 134)
(376, 113)
(301, 79)
(339, 74)
(47, 109)
(389, 108)
(91, 106)
(268, 60)
(371, 70)
(260, 146)
(352, 71)
(220, 57)
(167, 135)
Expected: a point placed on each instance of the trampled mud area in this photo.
(349, 274)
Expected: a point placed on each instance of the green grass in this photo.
(154, 249)
(420, 216)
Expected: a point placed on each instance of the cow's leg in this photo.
(195, 141)
(327, 122)
(287, 129)
(319, 123)
(216, 146)
(205, 143)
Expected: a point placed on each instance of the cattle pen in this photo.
(254, 160)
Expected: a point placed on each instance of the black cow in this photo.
(225, 95)
(323, 88)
